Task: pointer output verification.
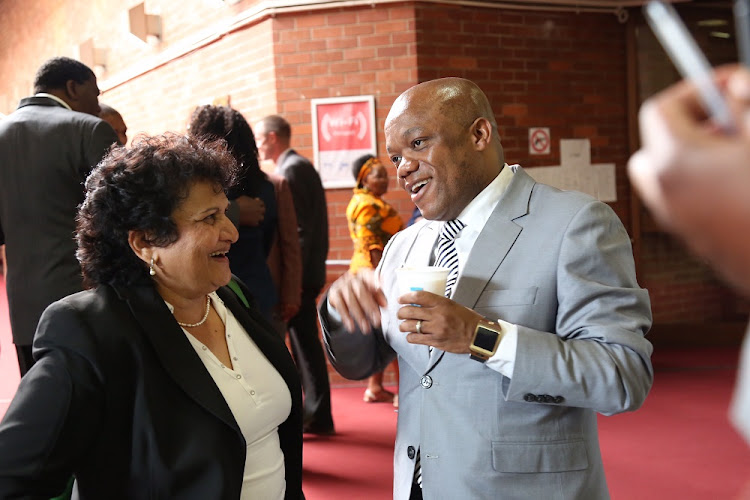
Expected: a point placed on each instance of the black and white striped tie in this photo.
(447, 255)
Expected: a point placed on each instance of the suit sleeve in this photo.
(302, 195)
(99, 139)
(289, 248)
(54, 415)
(599, 357)
(354, 355)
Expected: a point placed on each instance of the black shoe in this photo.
(320, 430)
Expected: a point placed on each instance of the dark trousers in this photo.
(311, 361)
(25, 359)
(416, 491)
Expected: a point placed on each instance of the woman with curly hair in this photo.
(159, 381)
(372, 222)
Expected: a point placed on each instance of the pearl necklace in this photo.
(205, 316)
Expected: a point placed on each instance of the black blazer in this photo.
(119, 397)
(312, 216)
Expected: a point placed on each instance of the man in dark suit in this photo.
(273, 136)
(47, 148)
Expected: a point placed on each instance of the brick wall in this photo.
(357, 51)
(561, 70)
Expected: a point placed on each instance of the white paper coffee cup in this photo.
(427, 278)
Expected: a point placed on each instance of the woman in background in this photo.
(248, 257)
(157, 382)
(372, 222)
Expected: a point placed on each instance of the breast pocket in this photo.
(509, 297)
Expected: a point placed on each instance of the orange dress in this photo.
(372, 222)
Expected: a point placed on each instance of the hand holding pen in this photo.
(695, 179)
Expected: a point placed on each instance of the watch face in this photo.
(485, 339)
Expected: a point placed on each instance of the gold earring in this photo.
(151, 270)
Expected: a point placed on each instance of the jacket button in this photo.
(559, 399)
(426, 381)
(531, 398)
(411, 453)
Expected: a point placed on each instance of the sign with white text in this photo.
(343, 130)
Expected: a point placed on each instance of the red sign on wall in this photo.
(343, 130)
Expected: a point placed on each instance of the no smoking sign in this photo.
(539, 141)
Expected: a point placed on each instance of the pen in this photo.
(689, 60)
(742, 29)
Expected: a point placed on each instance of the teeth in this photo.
(218, 254)
(416, 187)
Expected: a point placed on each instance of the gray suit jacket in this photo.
(312, 216)
(559, 265)
(46, 152)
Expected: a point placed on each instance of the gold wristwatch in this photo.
(487, 337)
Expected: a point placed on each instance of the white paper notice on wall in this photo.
(577, 173)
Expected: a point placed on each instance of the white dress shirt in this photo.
(740, 410)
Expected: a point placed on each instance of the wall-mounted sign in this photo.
(539, 141)
(577, 173)
(343, 130)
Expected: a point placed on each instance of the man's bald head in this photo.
(113, 117)
(442, 136)
(460, 99)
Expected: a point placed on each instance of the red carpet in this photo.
(9, 375)
(678, 446)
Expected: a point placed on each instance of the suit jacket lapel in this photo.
(495, 240)
(175, 352)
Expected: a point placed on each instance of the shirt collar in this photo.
(54, 98)
(283, 156)
(478, 211)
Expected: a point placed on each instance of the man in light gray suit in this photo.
(500, 383)
(47, 148)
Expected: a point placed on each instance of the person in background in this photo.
(416, 216)
(541, 326)
(273, 135)
(248, 257)
(372, 222)
(160, 381)
(695, 179)
(285, 259)
(47, 148)
(113, 117)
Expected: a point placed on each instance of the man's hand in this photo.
(358, 299)
(252, 210)
(446, 325)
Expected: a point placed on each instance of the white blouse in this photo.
(259, 400)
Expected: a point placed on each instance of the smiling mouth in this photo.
(218, 254)
(418, 186)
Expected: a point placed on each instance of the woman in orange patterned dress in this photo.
(372, 222)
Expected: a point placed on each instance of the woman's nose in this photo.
(230, 230)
